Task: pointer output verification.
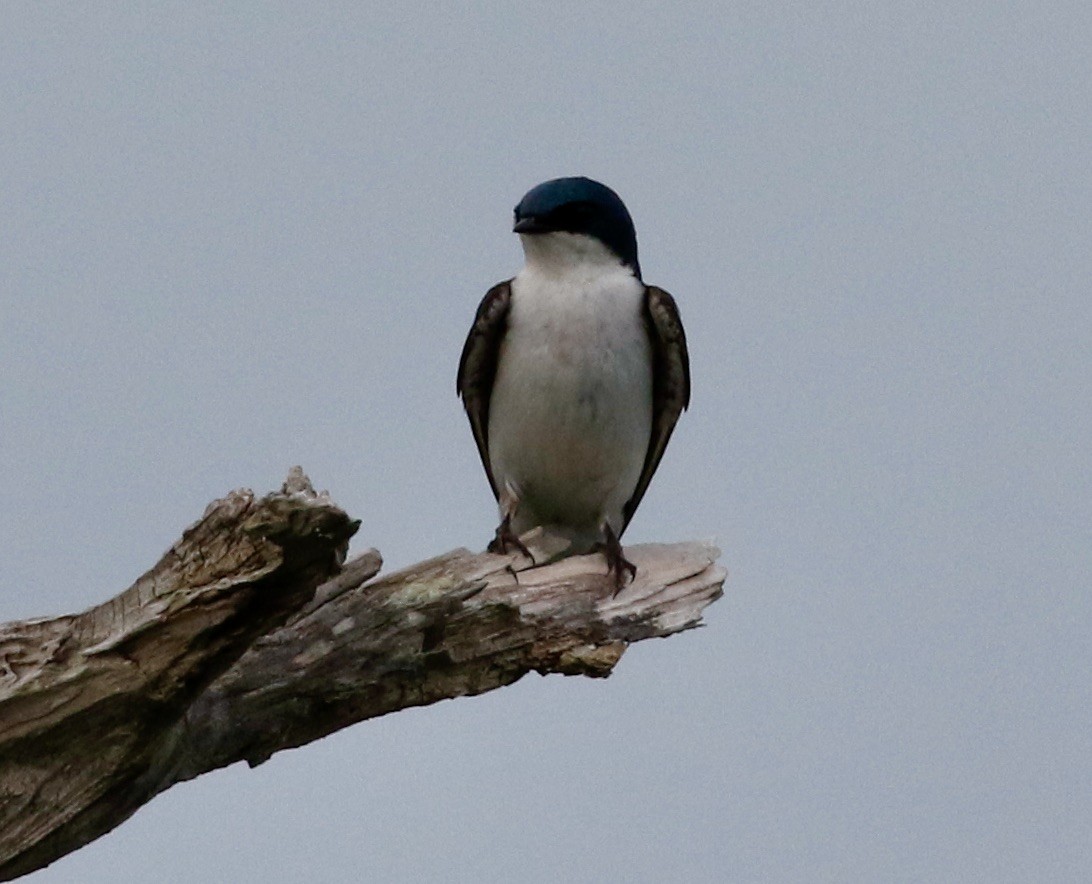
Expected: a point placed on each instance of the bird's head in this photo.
(576, 218)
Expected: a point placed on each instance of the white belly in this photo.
(571, 409)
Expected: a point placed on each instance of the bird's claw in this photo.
(505, 540)
(617, 563)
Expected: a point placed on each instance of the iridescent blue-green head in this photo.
(580, 206)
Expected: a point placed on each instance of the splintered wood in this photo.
(251, 636)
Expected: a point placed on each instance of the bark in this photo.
(250, 637)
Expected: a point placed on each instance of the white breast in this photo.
(571, 409)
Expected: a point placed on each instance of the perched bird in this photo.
(574, 374)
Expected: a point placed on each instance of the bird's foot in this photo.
(617, 563)
(505, 540)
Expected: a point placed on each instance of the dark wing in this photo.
(670, 384)
(478, 367)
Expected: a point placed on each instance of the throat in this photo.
(569, 254)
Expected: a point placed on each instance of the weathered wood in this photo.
(87, 702)
(456, 625)
(225, 652)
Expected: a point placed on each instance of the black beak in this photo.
(530, 224)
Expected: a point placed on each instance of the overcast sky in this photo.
(236, 241)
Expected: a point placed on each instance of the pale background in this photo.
(235, 241)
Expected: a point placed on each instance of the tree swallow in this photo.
(574, 374)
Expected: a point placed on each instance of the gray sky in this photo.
(232, 242)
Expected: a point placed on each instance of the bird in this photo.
(573, 375)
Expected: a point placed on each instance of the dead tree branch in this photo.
(247, 639)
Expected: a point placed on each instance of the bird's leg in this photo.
(617, 563)
(505, 538)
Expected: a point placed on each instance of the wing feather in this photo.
(478, 367)
(670, 384)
